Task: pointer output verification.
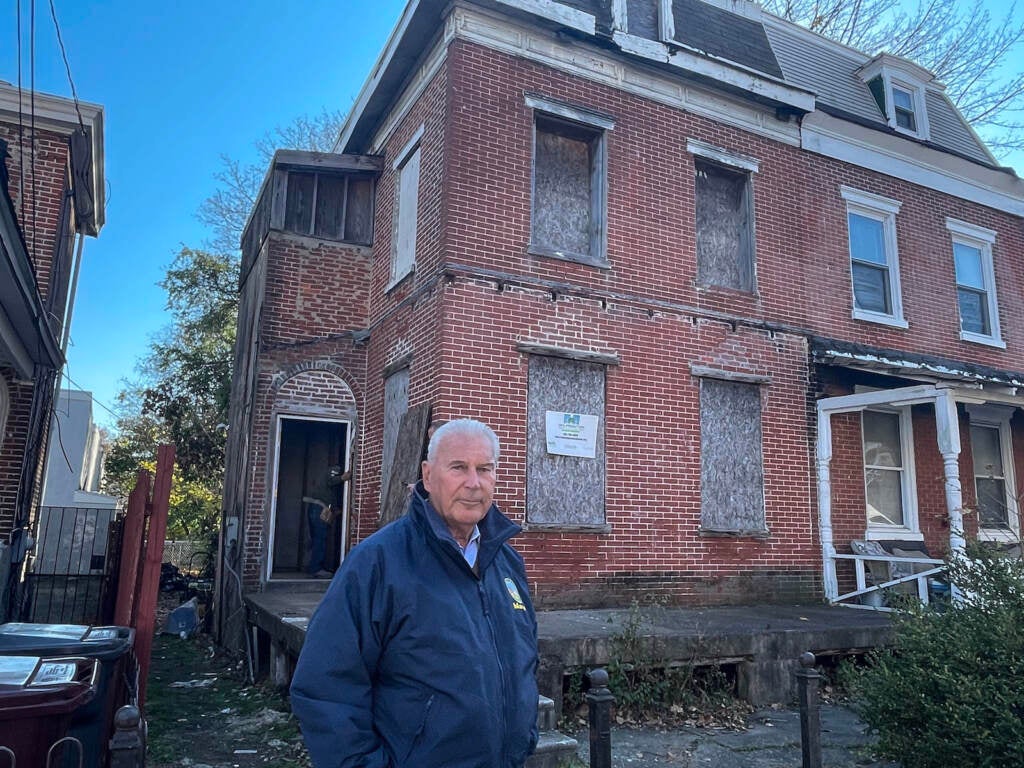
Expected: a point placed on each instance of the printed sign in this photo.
(571, 434)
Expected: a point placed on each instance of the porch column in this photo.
(824, 461)
(948, 428)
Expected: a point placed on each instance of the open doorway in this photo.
(311, 454)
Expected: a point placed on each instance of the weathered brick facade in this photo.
(464, 322)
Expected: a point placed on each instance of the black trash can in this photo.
(38, 699)
(117, 675)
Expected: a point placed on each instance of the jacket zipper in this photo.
(506, 713)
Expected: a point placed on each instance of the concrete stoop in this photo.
(554, 749)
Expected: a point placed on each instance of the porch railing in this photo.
(863, 588)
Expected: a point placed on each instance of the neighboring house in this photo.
(51, 198)
(73, 528)
(732, 295)
(74, 464)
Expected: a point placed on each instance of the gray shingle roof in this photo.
(830, 71)
(723, 34)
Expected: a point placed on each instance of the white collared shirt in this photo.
(472, 548)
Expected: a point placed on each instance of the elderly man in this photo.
(423, 652)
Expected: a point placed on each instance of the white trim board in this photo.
(916, 164)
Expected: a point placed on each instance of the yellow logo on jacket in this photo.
(517, 601)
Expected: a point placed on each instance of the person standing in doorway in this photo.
(423, 651)
(321, 509)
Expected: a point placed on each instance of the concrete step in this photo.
(554, 750)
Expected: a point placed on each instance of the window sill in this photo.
(876, 317)
(714, 533)
(998, 534)
(896, 534)
(739, 293)
(577, 258)
(595, 528)
(398, 280)
(977, 338)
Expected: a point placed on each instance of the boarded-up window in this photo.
(403, 250)
(725, 232)
(568, 190)
(731, 468)
(333, 206)
(564, 490)
(396, 403)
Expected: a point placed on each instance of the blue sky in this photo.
(181, 84)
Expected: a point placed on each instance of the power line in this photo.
(67, 66)
(91, 397)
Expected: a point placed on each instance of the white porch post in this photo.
(824, 461)
(948, 428)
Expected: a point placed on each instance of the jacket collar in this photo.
(495, 527)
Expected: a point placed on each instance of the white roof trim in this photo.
(371, 83)
(58, 114)
(557, 12)
(913, 162)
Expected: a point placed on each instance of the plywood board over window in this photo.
(725, 231)
(564, 491)
(396, 403)
(731, 462)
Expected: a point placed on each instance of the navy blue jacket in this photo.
(414, 661)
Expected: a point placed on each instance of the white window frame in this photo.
(917, 96)
(995, 417)
(981, 238)
(883, 209)
(911, 529)
(403, 257)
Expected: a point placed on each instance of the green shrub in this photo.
(950, 692)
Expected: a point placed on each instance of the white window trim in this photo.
(999, 418)
(722, 156)
(5, 407)
(911, 529)
(399, 163)
(882, 209)
(981, 238)
(916, 92)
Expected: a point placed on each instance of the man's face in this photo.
(460, 481)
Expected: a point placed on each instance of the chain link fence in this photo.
(190, 557)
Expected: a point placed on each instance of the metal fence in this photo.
(191, 557)
(72, 575)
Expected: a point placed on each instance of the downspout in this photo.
(830, 581)
(71, 295)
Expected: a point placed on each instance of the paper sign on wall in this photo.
(571, 434)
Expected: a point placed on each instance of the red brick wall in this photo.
(38, 211)
(310, 363)
(460, 330)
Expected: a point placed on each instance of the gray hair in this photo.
(466, 427)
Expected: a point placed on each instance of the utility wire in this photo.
(67, 66)
(101, 405)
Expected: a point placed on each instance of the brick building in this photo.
(732, 295)
(51, 198)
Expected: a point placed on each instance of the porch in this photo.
(972, 413)
(762, 642)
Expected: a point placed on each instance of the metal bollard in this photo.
(599, 714)
(807, 679)
(127, 748)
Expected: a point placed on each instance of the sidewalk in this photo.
(772, 741)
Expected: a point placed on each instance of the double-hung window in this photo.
(874, 259)
(992, 453)
(975, 282)
(904, 109)
(890, 498)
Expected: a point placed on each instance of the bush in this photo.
(950, 692)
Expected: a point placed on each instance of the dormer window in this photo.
(898, 87)
(903, 109)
